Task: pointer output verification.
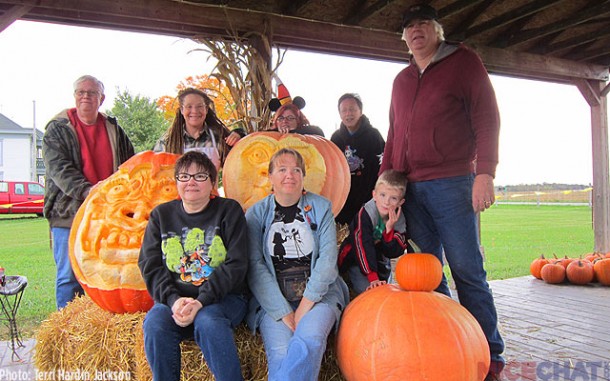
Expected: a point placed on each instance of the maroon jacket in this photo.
(444, 122)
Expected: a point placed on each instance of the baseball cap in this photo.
(419, 12)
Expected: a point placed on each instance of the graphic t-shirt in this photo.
(194, 254)
(290, 240)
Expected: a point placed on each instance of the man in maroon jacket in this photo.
(444, 127)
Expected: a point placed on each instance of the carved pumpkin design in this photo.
(387, 333)
(246, 177)
(108, 229)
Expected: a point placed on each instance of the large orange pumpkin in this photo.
(245, 173)
(108, 229)
(389, 334)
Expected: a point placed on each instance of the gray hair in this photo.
(91, 78)
(438, 28)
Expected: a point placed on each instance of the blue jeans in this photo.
(440, 218)
(66, 285)
(212, 330)
(297, 356)
(359, 281)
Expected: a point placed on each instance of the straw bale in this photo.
(83, 337)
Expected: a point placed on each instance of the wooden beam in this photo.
(458, 32)
(588, 13)
(357, 13)
(601, 171)
(526, 10)
(526, 65)
(292, 7)
(570, 42)
(588, 92)
(187, 20)
(12, 15)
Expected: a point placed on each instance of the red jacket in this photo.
(444, 121)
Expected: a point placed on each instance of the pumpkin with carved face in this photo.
(108, 229)
(246, 176)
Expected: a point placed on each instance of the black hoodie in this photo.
(363, 151)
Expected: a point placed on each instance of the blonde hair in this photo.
(287, 151)
(393, 179)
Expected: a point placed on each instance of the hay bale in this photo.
(84, 338)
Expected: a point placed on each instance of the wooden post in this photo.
(596, 96)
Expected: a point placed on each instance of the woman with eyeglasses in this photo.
(289, 119)
(197, 127)
(194, 263)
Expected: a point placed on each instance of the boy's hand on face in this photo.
(393, 215)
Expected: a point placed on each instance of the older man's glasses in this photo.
(199, 177)
(288, 118)
(88, 93)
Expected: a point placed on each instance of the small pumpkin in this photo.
(536, 266)
(580, 272)
(565, 261)
(245, 172)
(387, 333)
(419, 272)
(602, 271)
(108, 229)
(553, 273)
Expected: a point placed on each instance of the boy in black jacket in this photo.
(377, 233)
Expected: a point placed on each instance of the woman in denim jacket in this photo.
(298, 295)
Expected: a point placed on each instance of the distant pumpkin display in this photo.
(245, 173)
(108, 230)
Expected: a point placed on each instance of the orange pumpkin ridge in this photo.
(390, 334)
(419, 272)
(553, 273)
(537, 265)
(580, 272)
(602, 271)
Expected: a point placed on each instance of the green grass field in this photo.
(512, 235)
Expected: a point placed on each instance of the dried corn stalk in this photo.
(243, 68)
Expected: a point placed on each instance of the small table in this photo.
(10, 298)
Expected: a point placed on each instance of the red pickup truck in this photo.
(21, 197)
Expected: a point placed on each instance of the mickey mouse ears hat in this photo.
(283, 97)
(419, 12)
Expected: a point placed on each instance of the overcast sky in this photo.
(545, 134)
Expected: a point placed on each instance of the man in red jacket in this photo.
(444, 127)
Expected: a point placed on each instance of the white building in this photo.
(19, 159)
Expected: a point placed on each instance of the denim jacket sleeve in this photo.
(324, 270)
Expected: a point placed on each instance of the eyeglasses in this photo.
(199, 177)
(194, 107)
(89, 93)
(288, 118)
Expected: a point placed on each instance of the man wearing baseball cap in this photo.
(444, 128)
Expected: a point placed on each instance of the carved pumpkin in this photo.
(108, 229)
(245, 172)
(537, 265)
(387, 333)
(553, 273)
(419, 272)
